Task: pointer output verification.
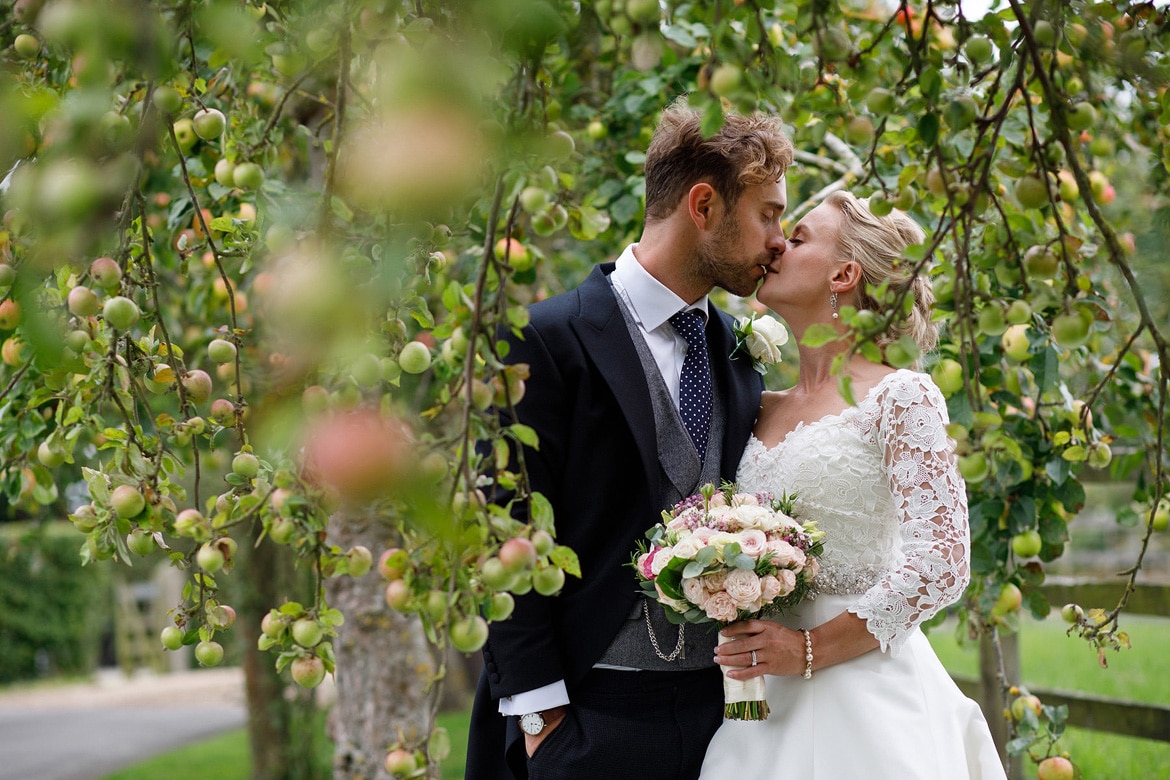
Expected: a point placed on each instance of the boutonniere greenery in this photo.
(760, 337)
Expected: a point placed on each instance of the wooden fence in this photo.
(1098, 713)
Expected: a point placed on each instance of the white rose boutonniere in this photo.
(760, 337)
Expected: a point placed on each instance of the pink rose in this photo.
(703, 533)
(693, 589)
(744, 587)
(745, 499)
(785, 555)
(753, 543)
(787, 580)
(720, 607)
(667, 601)
(659, 557)
(644, 564)
(715, 582)
(769, 588)
(717, 500)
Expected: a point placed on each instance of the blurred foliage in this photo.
(52, 611)
(300, 309)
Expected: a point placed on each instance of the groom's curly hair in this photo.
(746, 151)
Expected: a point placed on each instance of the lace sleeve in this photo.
(930, 500)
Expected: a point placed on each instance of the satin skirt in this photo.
(877, 716)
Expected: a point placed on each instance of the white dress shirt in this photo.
(652, 304)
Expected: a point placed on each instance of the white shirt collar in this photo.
(653, 302)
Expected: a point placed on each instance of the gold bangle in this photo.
(808, 655)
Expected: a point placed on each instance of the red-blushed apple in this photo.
(1055, 768)
(414, 358)
(222, 411)
(221, 616)
(307, 632)
(9, 314)
(127, 501)
(209, 653)
(197, 383)
(1023, 704)
(83, 301)
(362, 454)
(209, 123)
(469, 634)
(393, 563)
(172, 638)
(307, 671)
(401, 763)
(84, 518)
(548, 580)
(274, 624)
(314, 400)
(13, 351)
(518, 554)
(210, 558)
(191, 524)
(107, 273)
(398, 595)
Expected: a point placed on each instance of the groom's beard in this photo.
(720, 260)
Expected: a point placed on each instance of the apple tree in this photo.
(256, 258)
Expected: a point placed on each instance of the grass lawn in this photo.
(1049, 659)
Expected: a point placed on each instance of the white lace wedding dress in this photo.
(880, 482)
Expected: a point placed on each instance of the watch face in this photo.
(531, 723)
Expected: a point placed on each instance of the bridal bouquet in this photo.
(722, 556)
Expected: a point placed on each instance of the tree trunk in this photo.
(383, 663)
(282, 718)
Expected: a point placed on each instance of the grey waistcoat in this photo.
(681, 475)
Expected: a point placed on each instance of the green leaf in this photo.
(540, 511)
(819, 334)
(526, 435)
(564, 558)
(928, 128)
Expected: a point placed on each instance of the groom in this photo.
(637, 403)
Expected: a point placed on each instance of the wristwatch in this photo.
(532, 723)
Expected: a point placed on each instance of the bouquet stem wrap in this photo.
(743, 699)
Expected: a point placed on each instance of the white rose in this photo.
(743, 586)
(766, 337)
(660, 559)
(754, 517)
(688, 547)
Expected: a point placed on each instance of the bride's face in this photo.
(801, 276)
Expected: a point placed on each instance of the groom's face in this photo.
(746, 239)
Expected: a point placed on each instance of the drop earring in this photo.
(833, 304)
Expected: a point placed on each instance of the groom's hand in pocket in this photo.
(552, 719)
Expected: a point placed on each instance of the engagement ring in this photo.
(753, 657)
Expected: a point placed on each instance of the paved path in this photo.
(85, 732)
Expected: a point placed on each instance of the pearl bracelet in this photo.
(808, 655)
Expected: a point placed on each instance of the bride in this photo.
(855, 688)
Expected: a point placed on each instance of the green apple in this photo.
(50, 454)
(1071, 330)
(1161, 519)
(185, 135)
(948, 375)
(221, 351)
(1021, 705)
(991, 321)
(414, 358)
(248, 176)
(83, 301)
(548, 581)
(880, 101)
(1031, 192)
(879, 204)
(859, 131)
(127, 501)
(225, 172)
(978, 49)
(1082, 116)
(500, 607)
(1019, 312)
(1027, 544)
(974, 467)
(246, 465)
(26, 46)
(360, 560)
(172, 638)
(210, 558)
(469, 634)
(121, 313)
(961, 112)
(140, 541)
(7, 275)
(1009, 600)
(307, 632)
(726, 79)
(1071, 613)
(1044, 33)
(209, 123)
(1015, 343)
(209, 653)
(168, 100)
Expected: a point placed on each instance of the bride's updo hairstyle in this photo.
(876, 244)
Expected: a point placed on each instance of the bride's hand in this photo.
(777, 650)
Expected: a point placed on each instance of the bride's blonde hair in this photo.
(876, 244)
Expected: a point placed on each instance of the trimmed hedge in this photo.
(51, 606)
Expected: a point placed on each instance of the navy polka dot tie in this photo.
(694, 395)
